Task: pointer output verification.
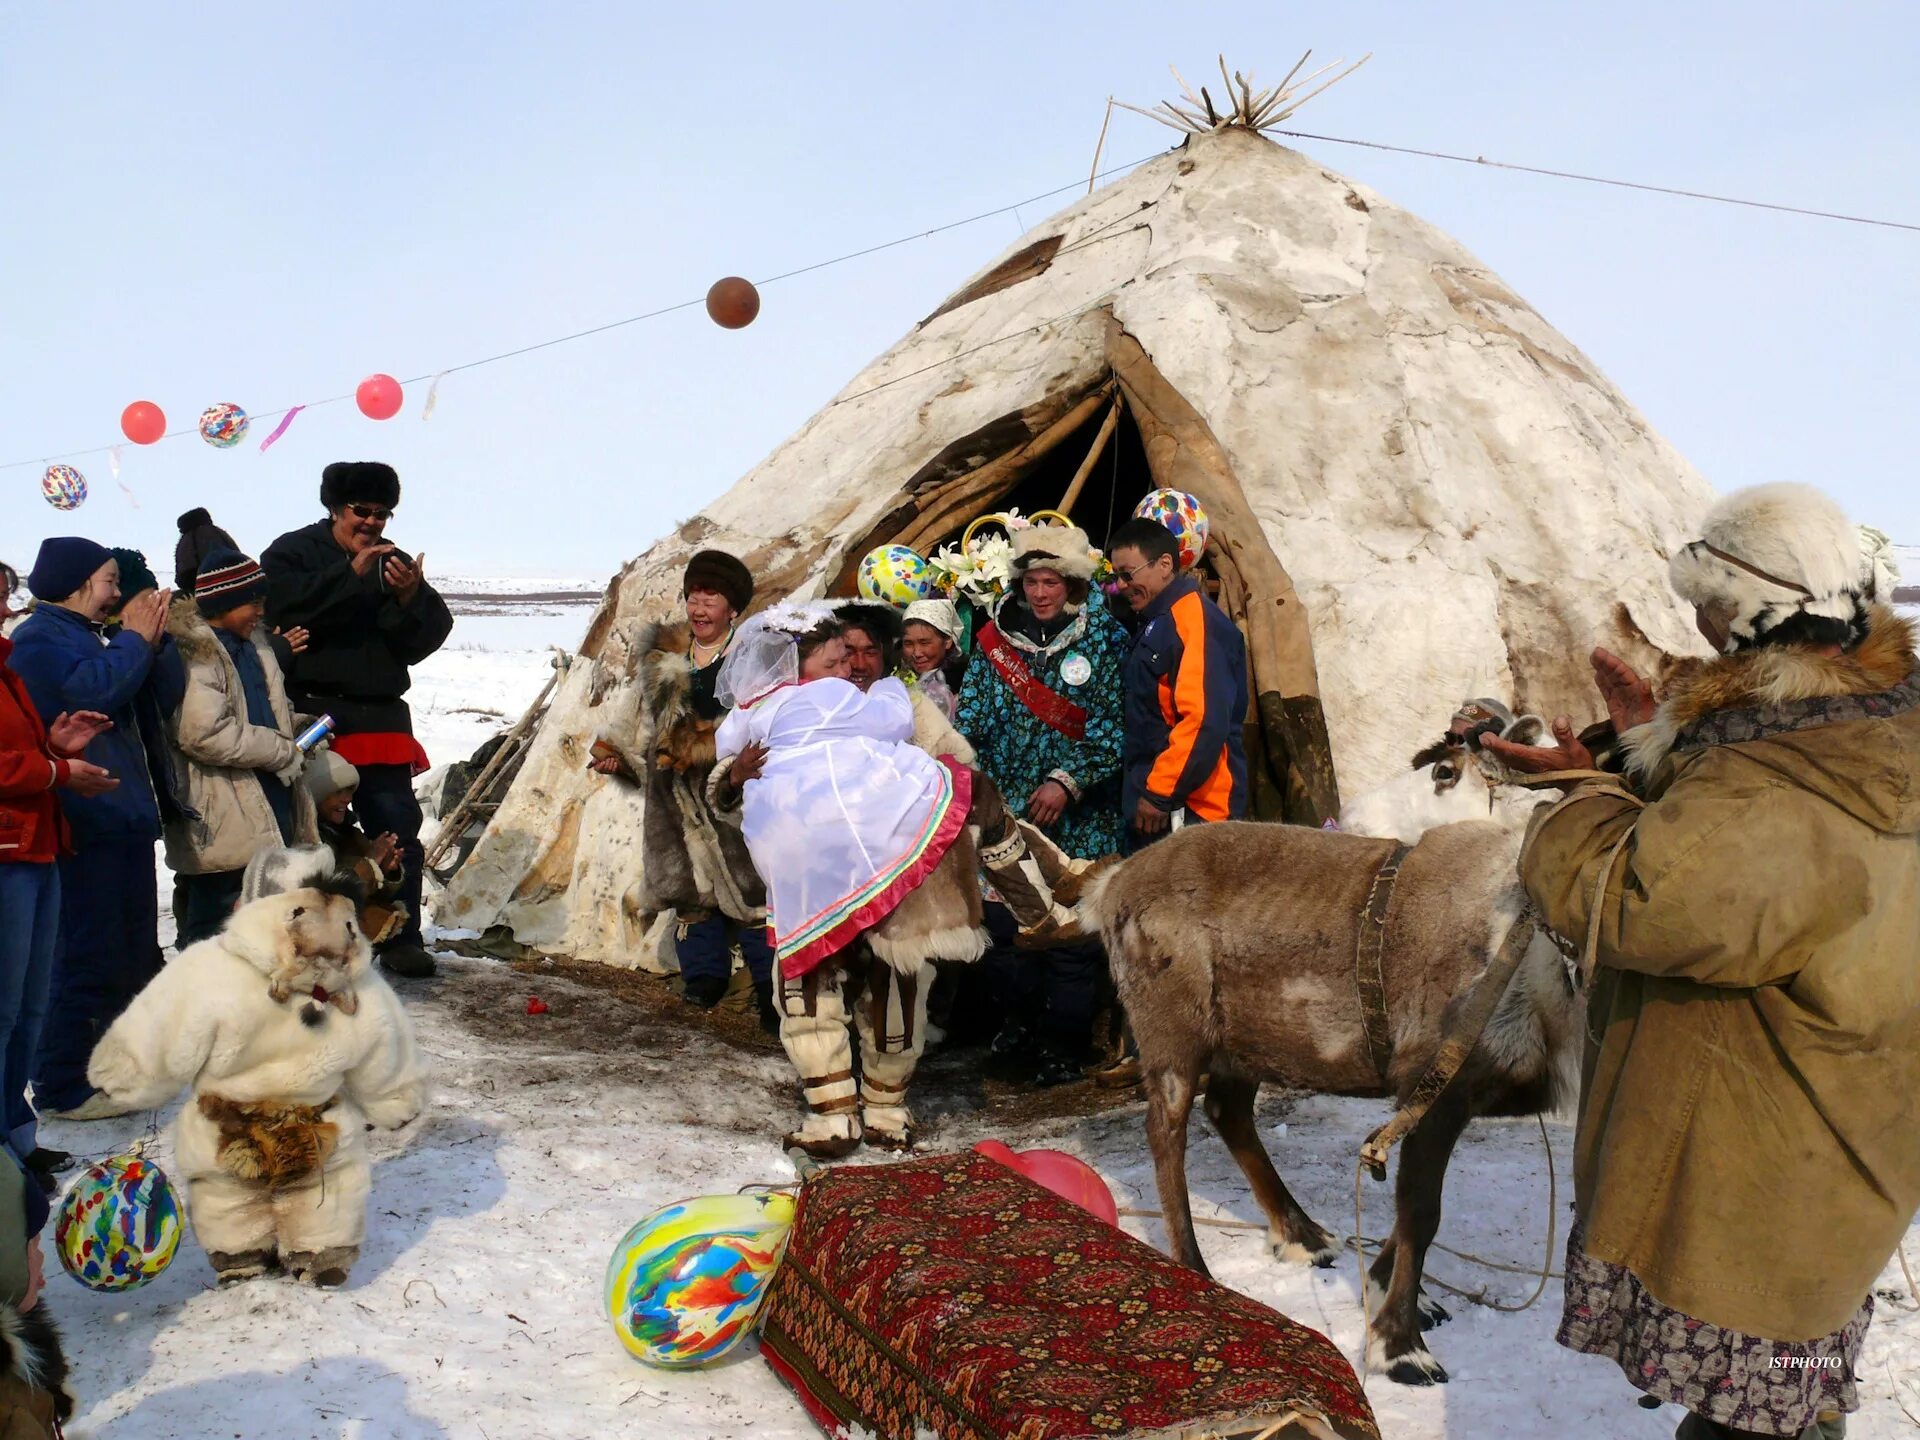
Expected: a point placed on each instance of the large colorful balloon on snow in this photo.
(1181, 514)
(686, 1284)
(119, 1224)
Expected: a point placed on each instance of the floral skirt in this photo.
(1732, 1378)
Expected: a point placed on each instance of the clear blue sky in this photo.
(265, 203)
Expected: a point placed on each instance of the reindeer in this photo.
(1433, 793)
(1246, 982)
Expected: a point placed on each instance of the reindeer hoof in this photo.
(1320, 1251)
(1414, 1366)
(1432, 1312)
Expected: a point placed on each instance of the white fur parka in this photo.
(208, 1022)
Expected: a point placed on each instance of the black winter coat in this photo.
(361, 638)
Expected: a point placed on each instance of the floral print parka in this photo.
(1019, 750)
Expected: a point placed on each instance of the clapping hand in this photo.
(146, 614)
(386, 853)
(296, 637)
(86, 779)
(1629, 699)
(72, 733)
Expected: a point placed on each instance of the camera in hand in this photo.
(387, 559)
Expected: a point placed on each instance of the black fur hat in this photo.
(194, 519)
(721, 573)
(372, 482)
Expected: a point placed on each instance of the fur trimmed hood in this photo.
(1784, 693)
(273, 931)
(34, 1378)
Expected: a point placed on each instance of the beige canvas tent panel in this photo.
(1455, 498)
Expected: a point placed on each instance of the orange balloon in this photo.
(733, 302)
(142, 423)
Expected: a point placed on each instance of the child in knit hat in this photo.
(932, 648)
(375, 861)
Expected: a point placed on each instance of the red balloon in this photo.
(733, 302)
(1065, 1175)
(142, 423)
(378, 397)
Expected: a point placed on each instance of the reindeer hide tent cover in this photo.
(1419, 491)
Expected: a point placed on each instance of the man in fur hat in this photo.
(695, 861)
(1751, 890)
(369, 614)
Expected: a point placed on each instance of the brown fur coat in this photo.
(695, 858)
(1755, 996)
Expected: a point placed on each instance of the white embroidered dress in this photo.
(847, 816)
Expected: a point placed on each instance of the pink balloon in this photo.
(1067, 1176)
(378, 397)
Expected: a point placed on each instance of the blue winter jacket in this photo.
(1186, 682)
(67, 666)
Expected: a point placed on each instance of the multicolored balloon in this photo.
(64, 487)
(223, 426)
(895, 575)
(1181, 514)
(119, 1224)
(686, 1284)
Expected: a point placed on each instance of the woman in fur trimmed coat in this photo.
(1752, 889)
(272, 1144)
(695, 862)
(232, 734)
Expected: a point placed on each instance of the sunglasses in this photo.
(1125, 577)
(371, 512)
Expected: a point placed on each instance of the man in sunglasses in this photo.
(369, 615)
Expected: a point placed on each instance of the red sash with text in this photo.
(1055, 711)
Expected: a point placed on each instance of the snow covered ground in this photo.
(475, 1313)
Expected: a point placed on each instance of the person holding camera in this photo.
(369, 614)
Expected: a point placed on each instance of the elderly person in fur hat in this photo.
(232, 744)
(695, 863)
(1747, 1158)
(1042, 703)
(369, 614)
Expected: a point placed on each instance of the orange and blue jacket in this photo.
(1186, 701)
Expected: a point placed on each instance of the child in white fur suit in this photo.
(271, 1142)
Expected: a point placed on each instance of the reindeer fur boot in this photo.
(815, 1034)
(325, 1268)
(233, 1269)
(1019, 875)
(892, 1017)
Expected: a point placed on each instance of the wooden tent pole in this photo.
(1099, 447)
(451, 827)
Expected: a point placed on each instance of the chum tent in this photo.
(1419, 492)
